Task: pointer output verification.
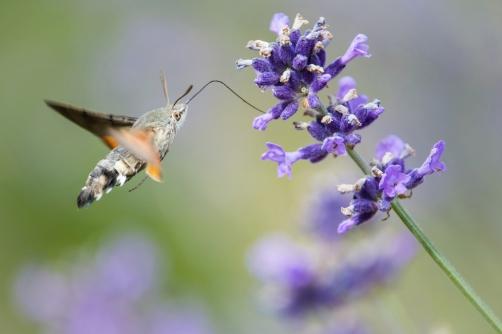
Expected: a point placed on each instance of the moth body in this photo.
(135, 143)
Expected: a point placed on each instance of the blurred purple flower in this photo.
(324, 213)
(279, 21)
(384, 268)
(107, 295)
(94, 313)
(277, 258)
(392, 144)
(298, 282)
(40, 293)
(165, 319)
(127, 266)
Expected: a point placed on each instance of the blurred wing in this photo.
(96, 122)
(140, 143)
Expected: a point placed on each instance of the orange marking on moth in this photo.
(110, 141)
(139, 143)
(155, 172)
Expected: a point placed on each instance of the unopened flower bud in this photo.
(266, 52)
(351, 95)
(387, 158)
(311, 112)
(305, 103)
(301, 125)
(299, 21)
(242, 63)
(359, 184)
(345, 188)
(353, 120)
(346, 211)
(407, 152)
(326, 119)
(376, 172)
(285, 76)
(315, 69)
(342, 109)
(256, 44)
(318, 47)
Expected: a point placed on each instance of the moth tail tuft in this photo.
(85, 198)
(99, 181)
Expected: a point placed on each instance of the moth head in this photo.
(179, 113)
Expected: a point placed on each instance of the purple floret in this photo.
(335, 145)
(433, 164)
(357, 48)
(284, 159)
(393, 181)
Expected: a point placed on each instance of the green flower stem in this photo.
(322, 109)
(436, 255)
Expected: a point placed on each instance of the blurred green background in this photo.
(435, 67)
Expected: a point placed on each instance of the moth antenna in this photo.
(139, 184)
(184, 94)
(164, 86)
(221, 82)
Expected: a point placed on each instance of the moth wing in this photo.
(96, 122)
(140, 143)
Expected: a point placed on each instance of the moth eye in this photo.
(177, 116)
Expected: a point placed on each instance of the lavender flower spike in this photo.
(432, 163)
(357, 48)
(393, 181)
(277, 258)
(284, 159)
(279, 21)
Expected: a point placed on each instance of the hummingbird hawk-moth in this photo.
(135, 143)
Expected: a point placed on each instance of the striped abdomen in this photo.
(118, 167)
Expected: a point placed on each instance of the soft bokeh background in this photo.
(435, 67)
